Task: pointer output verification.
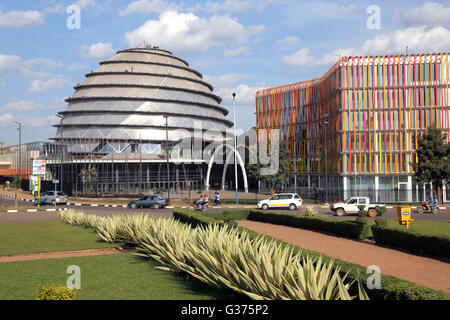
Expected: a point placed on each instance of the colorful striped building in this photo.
(372, 110)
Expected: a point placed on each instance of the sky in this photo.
(47, 46)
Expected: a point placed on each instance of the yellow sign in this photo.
(404, 216)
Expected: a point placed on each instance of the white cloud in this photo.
(17, 106)
(20, 19)
(76, 66)
(56, 83)
(97, 51)
(233, 52)
(149, 6)
(418, 40)
(33, 68)
(186, 33)
(41, 122)
(232, 6)
(429, 13)
(225, 80)
(6, 119)
(57, 8)
(45, 63)
(226, 84)
(8, 64)
(288, 42)
(85, 3)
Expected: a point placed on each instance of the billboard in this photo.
(39, 167)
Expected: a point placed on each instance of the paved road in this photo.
(443, 215)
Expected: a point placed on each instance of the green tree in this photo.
(17, 182)
(282, 176)
(89, 177)
(433, 159)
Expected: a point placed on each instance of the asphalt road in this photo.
(443, 215)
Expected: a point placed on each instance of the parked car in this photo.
(351, 206)
(152, 201)
(52, 197)
(292, 201)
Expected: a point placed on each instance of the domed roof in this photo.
(127, 96)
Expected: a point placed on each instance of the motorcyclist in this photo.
(198, 203)
(205, 200)
(434, 203)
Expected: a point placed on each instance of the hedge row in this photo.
(350, 229)
(433, 245)
(391, 288)
(192, 217)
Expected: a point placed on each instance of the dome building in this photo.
(119, 120)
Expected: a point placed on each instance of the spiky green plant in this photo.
(310, 212)
(224, 257)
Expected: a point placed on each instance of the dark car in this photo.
(153, 201)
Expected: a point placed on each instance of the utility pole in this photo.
(20, 147)
(167, 157)
(326, 157)
(61, 182)
(235, 149)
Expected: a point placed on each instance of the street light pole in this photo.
(167, 157)
(326, 158)
(235, 149)
(61, 182)
(20, 146)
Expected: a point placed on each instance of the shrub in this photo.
(362, 211)
(381, 210)
(192, 217)
(310, 212)
(362, 220)
(412, 241)
(381, 222)
(54, 292)
(344, 228)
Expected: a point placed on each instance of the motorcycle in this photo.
(428, 208)
(198, 206)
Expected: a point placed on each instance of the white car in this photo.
(283, 200)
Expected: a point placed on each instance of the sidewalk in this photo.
(429, 272)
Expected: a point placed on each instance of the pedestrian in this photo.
(217, 199)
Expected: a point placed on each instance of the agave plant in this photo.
(310, 212)
(225, 257)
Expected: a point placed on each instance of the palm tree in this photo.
(89, 177)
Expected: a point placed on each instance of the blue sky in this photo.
(238, 45)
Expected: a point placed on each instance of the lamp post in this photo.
(235, 148)
(325, 122)
(20, 146)
(167, 157)
(61, 182)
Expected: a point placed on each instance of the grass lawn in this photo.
(429, 228)
(13, 207)
(120, 276)
(48, 236)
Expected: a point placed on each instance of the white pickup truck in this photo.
(351, 206)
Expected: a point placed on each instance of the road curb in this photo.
(33, 210)
(125, 206)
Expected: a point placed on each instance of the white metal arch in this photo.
(227, 162)
(241, 163)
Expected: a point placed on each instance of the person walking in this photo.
(217, 199)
